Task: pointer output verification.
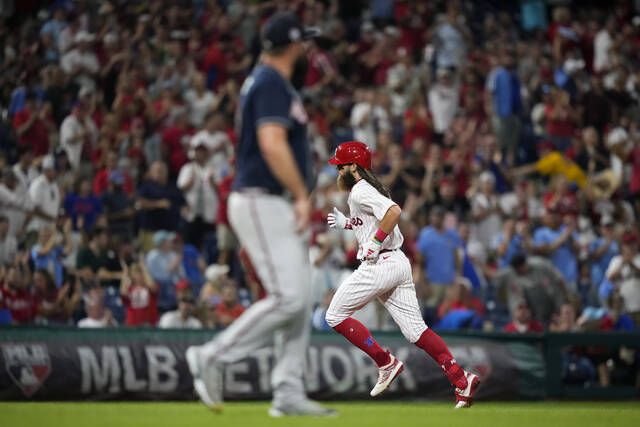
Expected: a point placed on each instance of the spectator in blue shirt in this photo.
(54, 26)
(165, 268)
(559, 243)
(83, 207)
(473, 255)
(504, 86)
(438, 250)
(514, 238)
(602, 250)
(193, 264)
(118, 206)
(48, 254)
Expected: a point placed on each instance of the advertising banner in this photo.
(151, 365)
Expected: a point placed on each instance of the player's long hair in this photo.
(371, 179)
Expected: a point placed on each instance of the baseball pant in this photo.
(265, 226)
(390, 281)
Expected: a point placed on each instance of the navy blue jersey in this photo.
(266, 97)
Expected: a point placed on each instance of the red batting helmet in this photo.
(352, 152)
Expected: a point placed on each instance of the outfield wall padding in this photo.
(149, 364)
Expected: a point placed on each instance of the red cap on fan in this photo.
(352, 152)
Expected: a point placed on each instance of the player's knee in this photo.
(293, 306)
(413, 334)
(333, 318)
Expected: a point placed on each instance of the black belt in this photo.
(384, 251)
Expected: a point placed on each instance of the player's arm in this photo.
(272, 139)
(390, 219)
(387, 223)
(273, 143)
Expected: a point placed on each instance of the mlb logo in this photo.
(28, 365)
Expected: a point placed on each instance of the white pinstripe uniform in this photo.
(389, 279)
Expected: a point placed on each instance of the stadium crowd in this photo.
(507, 131)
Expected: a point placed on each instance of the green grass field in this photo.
(356, 414)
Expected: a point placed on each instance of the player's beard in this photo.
(346, 181)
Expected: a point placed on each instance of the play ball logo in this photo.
(28, 365)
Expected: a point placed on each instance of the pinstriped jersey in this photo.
(367, 207)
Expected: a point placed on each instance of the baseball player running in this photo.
(269, 209)
(385, 273)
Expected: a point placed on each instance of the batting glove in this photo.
(371, 251)
(338, 220)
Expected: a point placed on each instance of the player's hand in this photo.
(371, 251)
(338, 220)
(302, 211)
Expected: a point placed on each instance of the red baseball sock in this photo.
(435, 347)
(359, 335)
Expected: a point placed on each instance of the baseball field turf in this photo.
(352, 414)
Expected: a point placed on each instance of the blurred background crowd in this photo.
(507, 131)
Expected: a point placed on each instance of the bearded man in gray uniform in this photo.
(269, 210)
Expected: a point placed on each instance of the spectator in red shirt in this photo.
(18, 297)
(459, 297)
(33, 124)
(214, 64)
(560, 198)
(229, 308)
(321, 71)
(139, 295)
(561, 119)
(101, 180)
(417, 124)
(175, 139)
(53, 305)
(135, 144)
(561, 33)
(522, 321)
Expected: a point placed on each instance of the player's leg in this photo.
(283, 277)
(289, 398)
(292, 340)
(403, 306)
(288, 372)
(369, 281)
(264, 225)
(353, 294)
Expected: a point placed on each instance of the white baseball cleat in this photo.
(386, 374)
(464, 398)
(207, 380)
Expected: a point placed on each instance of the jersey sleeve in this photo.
(371, 201)
(272, 103)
